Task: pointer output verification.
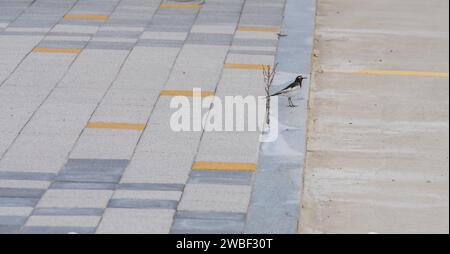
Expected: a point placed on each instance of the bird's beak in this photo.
(305, 78)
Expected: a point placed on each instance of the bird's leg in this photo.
(291, 104)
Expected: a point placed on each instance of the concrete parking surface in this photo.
(377, 156)
(85, 88)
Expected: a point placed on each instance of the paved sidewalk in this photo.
(85, 87)
(377, 156)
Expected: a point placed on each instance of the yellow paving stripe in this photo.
(246, 66)
(225, 166)
(259, 29)
(187, 93)
(57, 50)
(180, 6)
(118, 126)
(86, 17)
(404, 73)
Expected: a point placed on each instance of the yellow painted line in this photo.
(57, 50)
(246, 66)
(403, 73)
(187, 93)
(117, 126)
(225, 166)
(259, 29)
(180, 6)
(86, 17)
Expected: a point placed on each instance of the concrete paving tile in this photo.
(215, 198)
(84, 184)
(251, 59)
(142, 204)
(69, 95)
(254, 42)
(44, 153)
(34, 176)
(75, 29)
(220, 177)
(213, 29)
(75, 199)
(256, 35)
(163, 112)
(15, 211)
(59, 119)
(229, 147)
(24, 184)
(7, 229)
(21, 192)
(145, 98)
(173, 44)
(161, 169)
(109, 45)
(84, 178)
(68, 211)
(178, 36)
(58, 230)
(28, 95)
(150, 186)
(6, 141)
(18, 202)
(94, 69)
(157, 139)
(62, 221)
(106, 144)
(209, 39)
(145, 194)
(253, 48)
(121, 114)
(188, 222)
(150, 64)
(198, 66)
(136, 221)
(12, 220)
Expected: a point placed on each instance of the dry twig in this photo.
(269, 74)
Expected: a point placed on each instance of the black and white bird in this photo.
(291, 90)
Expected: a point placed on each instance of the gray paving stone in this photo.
(83, 185)
(75, 199)
(142, 204)
(110, 45)
(62, 44)
(88, 165)
(21, 192)
(58, 230)
(68, 211)
(220, 177)
(187, 222)
(255, 43)
(136, 221)
(88, 177)
(62, 221)
(18, 202)
(209, 39)
(199, 215)
(215, 198)
(9, 229)
(160, 43)
(150, 186)
(27, 176)
(12, 220)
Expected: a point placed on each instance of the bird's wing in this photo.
(286, 89)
